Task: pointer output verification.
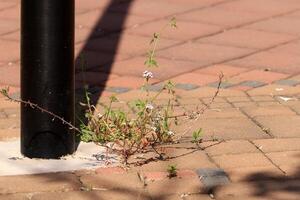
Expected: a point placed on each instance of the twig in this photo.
(206, 106)
(221, 76)
(35, 106)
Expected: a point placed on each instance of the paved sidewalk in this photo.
(254, 43)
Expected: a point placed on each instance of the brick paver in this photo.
(281, 126)
(281, 144)
(234, 128)
(280, 62)
(270, 111)
(278, 25)
(226, 70)
(181, 33)
(222, 17)
(247, 38)
(230, 147)
(242, 174)
(255, 117)
(204, 53)
(242, 160)
(259, 75)
(28, 184)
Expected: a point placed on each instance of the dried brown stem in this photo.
(206, 106)
(43, 110)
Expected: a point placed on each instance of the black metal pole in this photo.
(47, 77)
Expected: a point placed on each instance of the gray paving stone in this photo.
(118, 89)
(186, 86)
(288, 82)
(156, 87)
(224, 85)
(253, 84)
(212, 178)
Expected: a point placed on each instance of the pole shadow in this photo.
(110, 23)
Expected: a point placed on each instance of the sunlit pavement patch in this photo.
(87, 156)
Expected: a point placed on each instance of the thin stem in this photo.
(35, 106)
(206, 106)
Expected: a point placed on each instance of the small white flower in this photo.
(154, 128)
(147, 74)
(170, 133)
(149, 106)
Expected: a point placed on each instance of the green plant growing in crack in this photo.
(143, 124)
(197, 136)
(172, 171)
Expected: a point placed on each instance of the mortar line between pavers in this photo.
(239, 108)
(256, 102)
(288, 77)
(211, 159)
(247, 24)
(225, 60)
(288, 106)
(267, 157)
(252, 119)
(78, 177)
(150, 21)
(234, 27)
(177, 44)
(258, 124)
(241, 25)
(204, 36)
(283, 151)
(294, 110)
(186, 11)
(6, 33)
(253, 22)
(155, 19)
(266, 49)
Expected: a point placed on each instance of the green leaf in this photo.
(86, 135)
(197, 135)
(150, 62)
(169, 86)
(113, 98)
(172, 171)
(4, 91)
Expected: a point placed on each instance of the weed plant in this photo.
(145, 123)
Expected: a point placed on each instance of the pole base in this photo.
(47, 145)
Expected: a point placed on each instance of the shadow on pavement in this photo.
(265, 185)
(110, 23)
(272, 186)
